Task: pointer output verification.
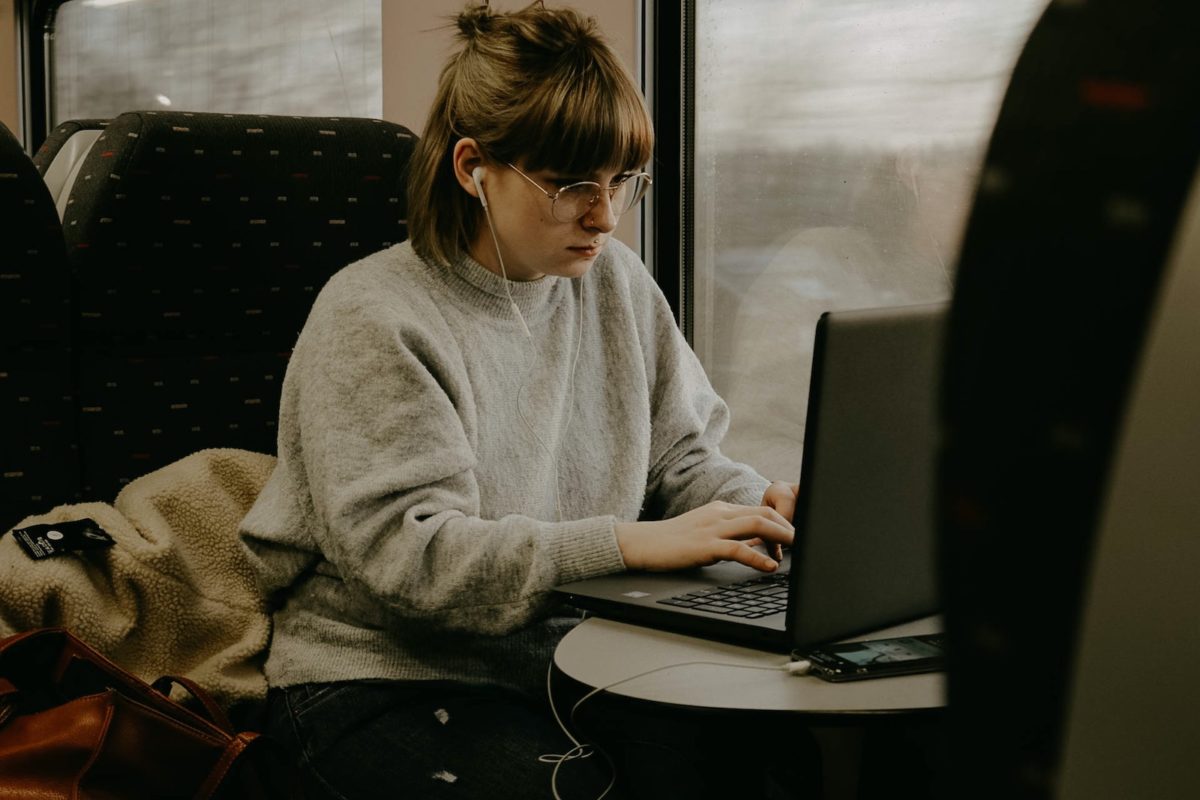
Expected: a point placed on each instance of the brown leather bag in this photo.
(75, 725)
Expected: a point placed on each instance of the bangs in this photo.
(592, 119)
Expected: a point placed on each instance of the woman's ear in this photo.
(467, 157)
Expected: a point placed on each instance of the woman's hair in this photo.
(539, 85)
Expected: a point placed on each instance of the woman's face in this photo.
(531, 240)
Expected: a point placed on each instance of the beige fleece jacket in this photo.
(176, 594)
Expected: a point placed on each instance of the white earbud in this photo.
(477, 177)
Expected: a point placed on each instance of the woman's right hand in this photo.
(703, 536)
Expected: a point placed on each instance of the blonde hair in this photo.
(539, 85)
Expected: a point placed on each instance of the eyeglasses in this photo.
(571, 202)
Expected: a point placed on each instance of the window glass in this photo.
(319, 57)
(837, 148)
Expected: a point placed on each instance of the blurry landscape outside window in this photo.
(304, 57)
(838, 143)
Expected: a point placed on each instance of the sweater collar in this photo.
(528, 295)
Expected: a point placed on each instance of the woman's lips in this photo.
(587, 250)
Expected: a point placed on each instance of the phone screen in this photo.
(886, 651)
(850, 661)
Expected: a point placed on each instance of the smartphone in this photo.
(877, 658)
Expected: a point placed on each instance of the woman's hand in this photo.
(781, 497)
(703, 536)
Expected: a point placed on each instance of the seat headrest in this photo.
(61, 155)
(169, 205)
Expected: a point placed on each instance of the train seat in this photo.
(38, 459)
(61, 155)
(197, 243)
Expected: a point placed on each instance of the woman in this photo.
(477, 415)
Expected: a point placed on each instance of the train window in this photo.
(319, 57)
(835, 155)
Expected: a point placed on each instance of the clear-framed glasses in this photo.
(571, 202)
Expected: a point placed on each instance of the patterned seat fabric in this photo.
(38, 459)
(197, 244)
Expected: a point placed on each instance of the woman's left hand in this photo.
(781, 497)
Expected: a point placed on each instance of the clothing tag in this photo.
(46, 541)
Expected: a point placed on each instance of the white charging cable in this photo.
(582, 750)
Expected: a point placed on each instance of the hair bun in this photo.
(552, 31)
(475, 20)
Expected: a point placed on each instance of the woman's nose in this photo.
(600, 216)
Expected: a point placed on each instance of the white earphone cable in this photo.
(534, 353)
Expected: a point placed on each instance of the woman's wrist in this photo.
(627, 534)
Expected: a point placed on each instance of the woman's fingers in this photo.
(729, 512)
(715, 532)
(734, 550)
(741, 535)
(756, 526)
(782, 497)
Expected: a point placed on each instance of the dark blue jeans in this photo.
(425, 739)
(363, 740)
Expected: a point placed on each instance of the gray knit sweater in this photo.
(410, 529)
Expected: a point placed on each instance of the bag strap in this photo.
(238, 746)
(242, 745)
(216, 714)
(281, 782)
(73, 649)
(7, 704)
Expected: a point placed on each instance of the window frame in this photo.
(670, 35)
(35, 20)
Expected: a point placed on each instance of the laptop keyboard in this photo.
(750, 599)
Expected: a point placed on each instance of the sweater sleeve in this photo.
(380, 404)
(689, 420)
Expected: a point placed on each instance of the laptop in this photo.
(863, 556)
